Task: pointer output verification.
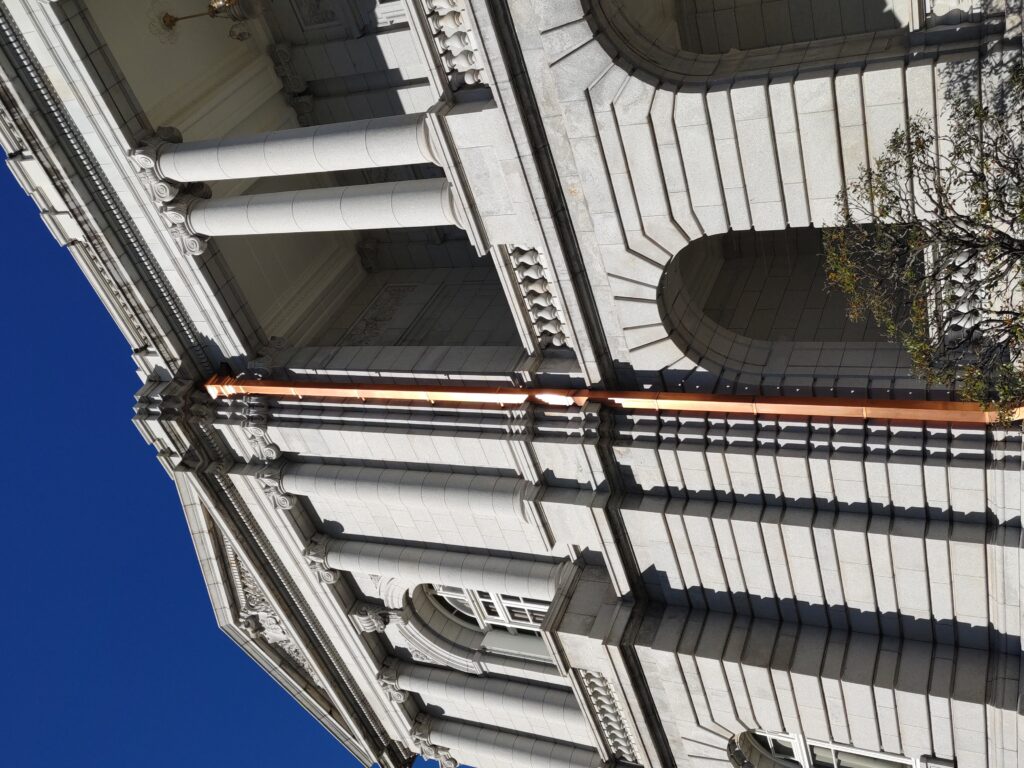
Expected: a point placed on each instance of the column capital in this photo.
(255, 421)
(175, 215)
(269, 477)
(315, 555)
(388, 680)
(284, 67)
(421, 734)
(144, 158)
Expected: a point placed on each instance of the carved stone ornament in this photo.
(175, 216)
(528, 265)
(315, 554)
(388, 679)
(144, 159)
(269, 478)
(420, 735)
(255, 420)
(454, 42)
(200, 412)
(605, 704)
(258, 618)
(369, 617)
(284, 67)
(262, 366)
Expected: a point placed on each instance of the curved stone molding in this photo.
(431, 644)
(421, 735)
(605, 704)
(535, 285)
(454, 42)
(259, 619)
(672, 49)
(401, 573)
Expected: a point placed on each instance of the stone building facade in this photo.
(485, 342)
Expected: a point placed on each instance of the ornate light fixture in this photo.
(237, 11)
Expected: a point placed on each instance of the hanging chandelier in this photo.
(236, 11)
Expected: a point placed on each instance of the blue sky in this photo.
(111, 655)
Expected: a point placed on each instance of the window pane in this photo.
(850, 760)
(822, 757)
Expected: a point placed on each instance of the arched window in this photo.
(490, 610)
(764, 749)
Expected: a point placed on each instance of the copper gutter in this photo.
(934, 411)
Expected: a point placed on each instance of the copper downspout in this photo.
(934, 411)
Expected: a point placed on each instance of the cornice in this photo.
(143, 319)
(176, 420)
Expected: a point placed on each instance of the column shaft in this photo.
(416, 565)
(374, 143)
(474, 745)
(419, 203)
(451, 492)
(523, 707)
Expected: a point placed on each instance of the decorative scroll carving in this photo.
(605, 704)
(255, 420)
(454, 42)
(284, 67)
(144, 158)
(262, 366)
(175, 216)
(303, 106)
(530, 269)
(420, 734)
(371, 618)
(269, 478)
(315, 554)
(174, 198)
(388, 679)
(258, 618)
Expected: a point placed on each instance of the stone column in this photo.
(418, 203)
(373, 143)
(417, 565)
(456, 742)
(453, 492)
(523, 707)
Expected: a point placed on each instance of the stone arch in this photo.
(684, 40)
(677, 39)
(661, 158)
(434, 635)
(751, 307)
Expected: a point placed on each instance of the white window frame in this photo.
(505, 606)
(802, 750)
